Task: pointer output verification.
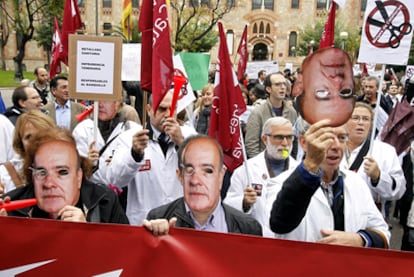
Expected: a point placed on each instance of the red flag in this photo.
(56, 53)
(328, 34)
(156, 53)
(71, 22)
(242, 52)
(228, 105)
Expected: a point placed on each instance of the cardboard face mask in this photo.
(327, 87)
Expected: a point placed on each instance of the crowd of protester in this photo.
(300, 181)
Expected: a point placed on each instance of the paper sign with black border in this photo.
(95, 67)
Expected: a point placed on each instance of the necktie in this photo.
(163, 141)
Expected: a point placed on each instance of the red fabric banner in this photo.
(57, 51)
(156, 53)
(34, 247)
(71, 22)
(242, 52)
(228, 105)
(328, 35)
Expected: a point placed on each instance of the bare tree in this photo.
(23, 15)
(4, 34)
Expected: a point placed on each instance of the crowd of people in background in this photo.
(300, 181)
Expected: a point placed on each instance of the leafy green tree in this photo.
(23, 15)
(44, 30)
(193, 23)
(202, 44)
(135, 34)
(312, 34)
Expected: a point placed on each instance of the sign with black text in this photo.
(95, 67)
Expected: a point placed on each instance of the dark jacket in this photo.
(237, 222)
(13, 113)
(98, 202)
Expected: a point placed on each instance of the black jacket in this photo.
(98, 202)
(237, 222)
(13, 113)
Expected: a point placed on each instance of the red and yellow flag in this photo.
(127, 18)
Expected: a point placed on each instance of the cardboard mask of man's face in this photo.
(327, 87)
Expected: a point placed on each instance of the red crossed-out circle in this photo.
(395, 41)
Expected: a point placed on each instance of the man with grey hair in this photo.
(318, 202)
(248, 188)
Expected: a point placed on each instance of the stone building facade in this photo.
(273, 26)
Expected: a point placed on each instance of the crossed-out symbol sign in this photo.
(387, 24)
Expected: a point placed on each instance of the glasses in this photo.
(40, 174)
(357, 118)
(279, 84)
(281, 137)
(324, 94)
(189, 170)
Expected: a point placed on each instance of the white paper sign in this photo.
(131, 62)
(387, 32)
(95, 67)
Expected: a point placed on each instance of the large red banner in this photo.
(33, 247)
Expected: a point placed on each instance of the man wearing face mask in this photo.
(151, 179)
(247, 193)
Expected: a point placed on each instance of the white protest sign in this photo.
(387, 32)
(95, 67)
(131, 62)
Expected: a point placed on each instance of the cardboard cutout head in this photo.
(327, 87)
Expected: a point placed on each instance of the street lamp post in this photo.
(343, 36)
(311, 44)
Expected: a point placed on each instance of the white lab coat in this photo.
(120, 171)
(258, 174)
(360, 211)
(389, 164)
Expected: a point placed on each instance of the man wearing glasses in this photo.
(248, 190)
(201, 171)
(275, 105)
(57, 179)
(319, 202)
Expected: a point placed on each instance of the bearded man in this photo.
(248, 188)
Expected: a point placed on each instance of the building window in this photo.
(107, 27)
(268, 4)
(107, 3)
(293, 37)
(321, 4)
(135, 3)
(81, 3)
(205, 3)
(198, 3)
(257, 4)
(363, 5)
(295, 4)
(255, 28)
(230, 3)
(267, 28)
(261, 28)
